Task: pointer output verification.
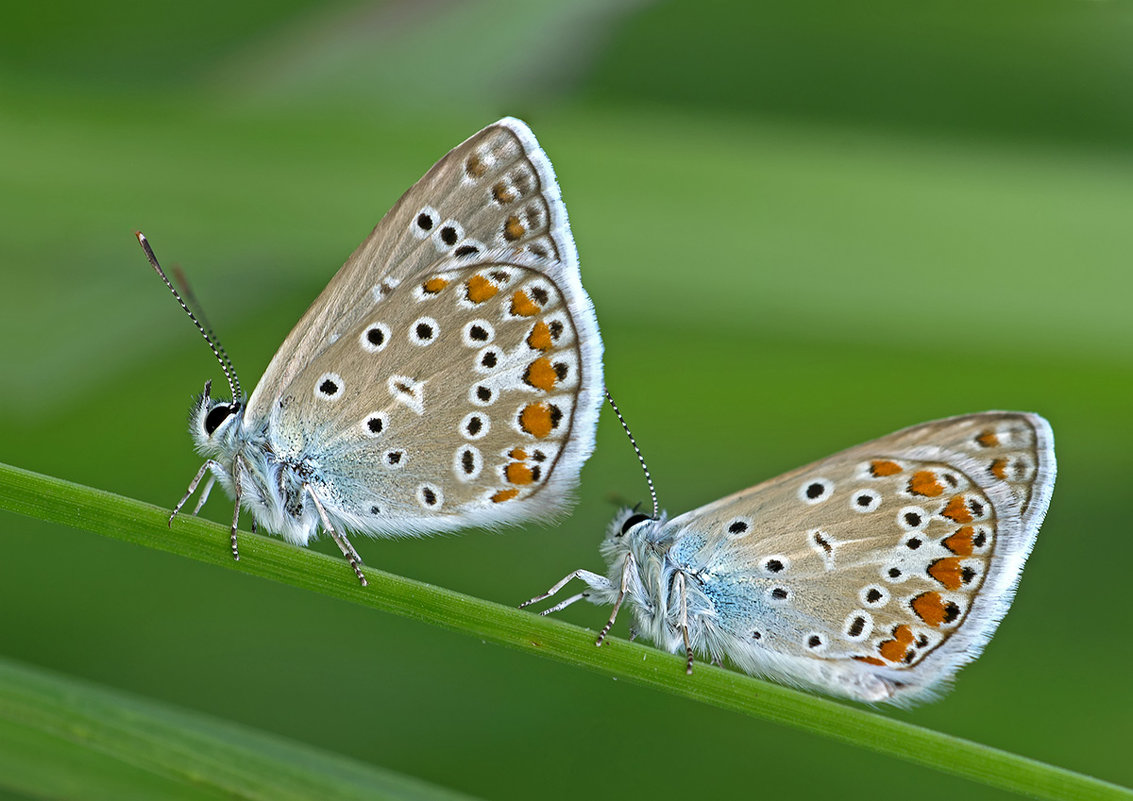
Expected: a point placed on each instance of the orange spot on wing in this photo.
(870, 660)
(538, 419)
(933, 609)
(947, 572)
(475, 166)
(999, 469)
(957, 510)
(883, 467)
(987, 439)
(894, 650)
(518, 454)
(522, 304)
(502, 193)
(513, 229)
(540, 337)
(960, 542)
(480, 288)
(924, 483)
(504, 495)
(518, 473)
(435, 285)
(540, 374)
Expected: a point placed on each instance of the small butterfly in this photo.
(449, 375)
(873, 574)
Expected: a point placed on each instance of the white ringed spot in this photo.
(912, 518)
(775, 565)
(430, 496)
(482, 395)
(778, 596)
(467, 463)
(375, 337)
(815, 641)
(487, 360)
(375, 424)
(874, 596)
(816, 490)
(737, 527)
(424, 331)
(478, 333)
(858, 625)
(864, 501)
(468, 249)
(446, 235)
(329, 387)
(822, 544)
(893, 574)
(475, 425)
(424, 222)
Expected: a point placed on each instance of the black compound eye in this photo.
(632, 521)
(217, 415)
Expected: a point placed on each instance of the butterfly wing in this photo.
(462, 351)
(893, 560)
(496, 190)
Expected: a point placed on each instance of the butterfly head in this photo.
(215, 423)
(639, 551)
(628, 521)
(632, 530)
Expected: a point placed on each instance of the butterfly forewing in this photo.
(898, 552)
(494, 194)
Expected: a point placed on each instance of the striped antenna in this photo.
(214, 344)
(637, 450)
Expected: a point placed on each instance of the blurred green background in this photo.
(803, 225)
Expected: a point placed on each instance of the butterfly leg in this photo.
(621, 597)
(593, 579)
(204, 494)
(684, 621)
(561, 605)
(193, 488)
(343, 544)
(237, 465)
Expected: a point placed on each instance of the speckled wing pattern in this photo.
(896, 558)
(450, 373)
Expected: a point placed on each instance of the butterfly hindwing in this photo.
(898, 556)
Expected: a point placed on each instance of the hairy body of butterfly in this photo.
(448, 376)
(873, 574)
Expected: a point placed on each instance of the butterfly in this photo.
(450, 374)
(873, 574)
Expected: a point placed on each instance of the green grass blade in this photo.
(105, 513)
(62, 738)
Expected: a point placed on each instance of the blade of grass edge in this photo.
(64, 738)
(55, 500)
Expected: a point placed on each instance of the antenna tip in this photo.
(141, 237)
